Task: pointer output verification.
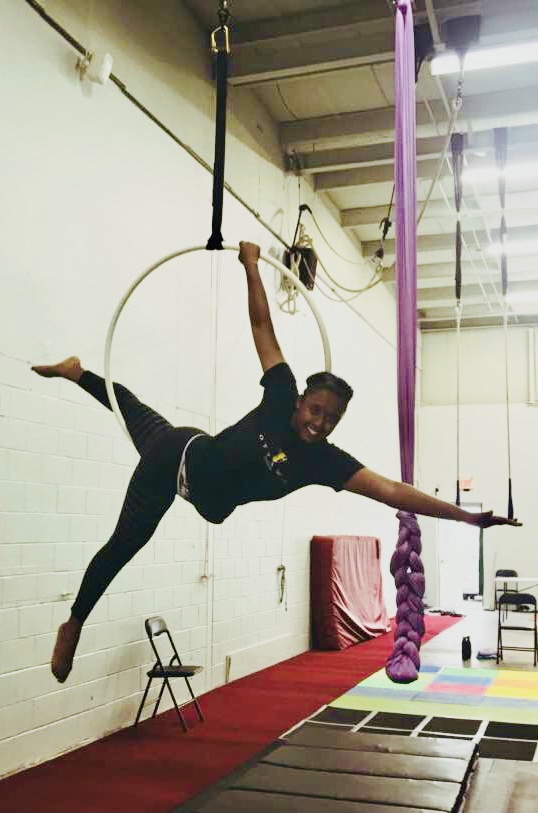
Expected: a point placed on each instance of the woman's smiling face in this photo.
(316, 414)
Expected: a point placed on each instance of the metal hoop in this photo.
(123, 301)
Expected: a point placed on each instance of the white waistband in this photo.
(182, 482)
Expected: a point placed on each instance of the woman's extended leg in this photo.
(143, 423)
(150, 493)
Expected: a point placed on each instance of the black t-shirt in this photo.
(261, 457)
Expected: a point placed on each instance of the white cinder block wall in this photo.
(483, 440)
(92, 193)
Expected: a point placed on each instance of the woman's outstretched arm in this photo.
(263, 332)
(407, 498)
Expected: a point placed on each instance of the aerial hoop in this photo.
(125, 298)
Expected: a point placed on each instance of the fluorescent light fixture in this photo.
(481, 58)
(491, 173)
(522, 297)
(518, 248)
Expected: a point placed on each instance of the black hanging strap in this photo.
(221, 51)
(501, 153)
(457, 143)
(458, 377)
(510, 500)
(501, 149)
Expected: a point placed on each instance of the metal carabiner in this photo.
(215, 48)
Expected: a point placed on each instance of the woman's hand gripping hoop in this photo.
(125, 298)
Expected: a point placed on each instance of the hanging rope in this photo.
(457, 103)
(385, 225)
(457, 143)
(220, 47)
(403, 664)
(501, 149)
(458, 378)
(501, 146)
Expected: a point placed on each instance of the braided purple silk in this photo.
(406, 567)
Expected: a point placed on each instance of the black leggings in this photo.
(150, 493)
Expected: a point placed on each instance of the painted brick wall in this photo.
(89, 202)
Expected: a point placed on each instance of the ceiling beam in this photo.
(435, 297)
(435, 275)
(373, 215)
(437, 270)
(472, 209)
(430, 297)
(367, 43)
(426, 170)
(524, 137)
(353, 157)
(258, 30)
(445, 319)
(442, 242)
(378, 173)
(340, 37)
(472, 296)
(425, 283)
(344, 16)
(308, 22)
(481, 112)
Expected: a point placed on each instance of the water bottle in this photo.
(466, 648)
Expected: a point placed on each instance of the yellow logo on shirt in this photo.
(280, 457)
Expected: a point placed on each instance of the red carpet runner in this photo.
(158, 767)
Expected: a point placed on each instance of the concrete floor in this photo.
(481, 626)
(497, 785)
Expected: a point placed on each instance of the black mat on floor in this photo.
(322, 769)
(451, 725)
(403, 722)
(348, 717)
(512, 731)
(492, 742)
(507, 749)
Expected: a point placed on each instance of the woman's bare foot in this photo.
(70, 369)
(64, 649)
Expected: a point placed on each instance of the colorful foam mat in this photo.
(488, 694)
(497, 708)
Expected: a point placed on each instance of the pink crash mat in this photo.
(346, 591)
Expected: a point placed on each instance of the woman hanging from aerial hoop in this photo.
(278, 447)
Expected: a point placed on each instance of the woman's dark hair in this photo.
(328, 381)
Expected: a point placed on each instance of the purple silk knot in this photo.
(404, 663)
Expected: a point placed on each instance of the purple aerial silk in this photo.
(406, 567)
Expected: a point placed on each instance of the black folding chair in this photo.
(517, 601)
(504, 588)
(156, 626)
